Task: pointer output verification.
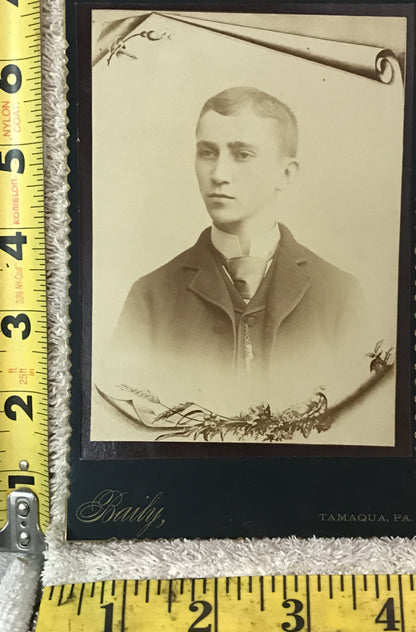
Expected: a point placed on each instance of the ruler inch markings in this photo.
(61, 594)
(170, 596)
(123, 608)
(20, 58)
(147, 590)
(216, 604)
(308, 605)
(81, 595)
(28, 144)
(399, 579)
(354, 593)
(314, 611)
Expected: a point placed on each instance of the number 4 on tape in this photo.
(13, 244)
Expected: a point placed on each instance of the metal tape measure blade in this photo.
(316, 603)
(23, 341)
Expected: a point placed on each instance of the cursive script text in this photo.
(107, 507)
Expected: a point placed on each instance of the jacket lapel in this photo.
(288, 286)
(208, 282)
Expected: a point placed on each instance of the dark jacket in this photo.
(183, 311)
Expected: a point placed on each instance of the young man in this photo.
(246, 299)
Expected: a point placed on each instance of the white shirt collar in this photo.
(263, 245)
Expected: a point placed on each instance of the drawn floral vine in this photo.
(119, 47)
(259, 423)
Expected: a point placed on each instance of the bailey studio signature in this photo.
(364, 517)
(107, 506)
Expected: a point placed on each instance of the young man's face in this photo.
(239, 165)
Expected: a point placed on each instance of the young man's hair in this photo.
(232, 100)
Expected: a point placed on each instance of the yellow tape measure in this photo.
(24, 491)
(316, 603)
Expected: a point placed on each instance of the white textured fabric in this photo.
(19, 582)
(85, 561)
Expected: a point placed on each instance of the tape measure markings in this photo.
(290, 603)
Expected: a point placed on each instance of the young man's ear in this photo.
(288, 173)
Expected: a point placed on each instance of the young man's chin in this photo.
(223, 212)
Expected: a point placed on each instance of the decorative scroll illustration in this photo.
(259, 423)
(369, 61)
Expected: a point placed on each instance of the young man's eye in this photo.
(243, 156)
(206, 153)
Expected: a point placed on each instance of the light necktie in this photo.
(247, 273)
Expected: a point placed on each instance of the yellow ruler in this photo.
(317, 603)
(24, 495)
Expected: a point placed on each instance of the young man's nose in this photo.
(221, 171)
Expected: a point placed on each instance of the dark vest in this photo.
(249, 321)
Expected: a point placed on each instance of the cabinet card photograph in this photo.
(242, 261)
(246, 221)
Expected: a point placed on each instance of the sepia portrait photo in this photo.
(246, 214)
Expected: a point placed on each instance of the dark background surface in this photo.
(234, 490)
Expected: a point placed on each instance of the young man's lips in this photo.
(221, 195)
